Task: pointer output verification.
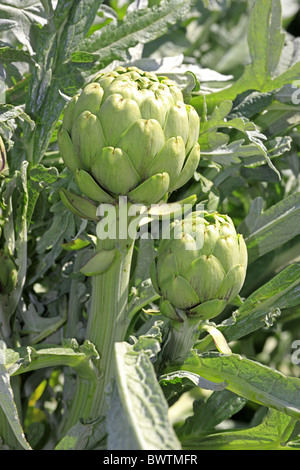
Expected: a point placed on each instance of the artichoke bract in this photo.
(201, 267)
(129, 133)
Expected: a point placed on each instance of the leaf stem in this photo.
(108, 317)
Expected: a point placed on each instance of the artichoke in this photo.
(129, 133)
(201, 267)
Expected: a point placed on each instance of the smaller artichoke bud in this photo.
(201, 267)
(8, 273)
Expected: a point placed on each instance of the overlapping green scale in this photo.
(201, 267)
(133, 134)
(85, 126)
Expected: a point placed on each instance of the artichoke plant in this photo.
(201, 267)
(129, 133)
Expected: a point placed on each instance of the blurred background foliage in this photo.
(214, 35)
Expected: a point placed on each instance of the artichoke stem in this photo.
(108, 320)
(107, 324)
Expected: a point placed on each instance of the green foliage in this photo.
(238, 64)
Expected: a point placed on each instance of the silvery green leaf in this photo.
(275, 432)
(270, 230)
(144, 409)
(246, 378)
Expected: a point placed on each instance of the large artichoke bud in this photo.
(201, 267)
(130, 133)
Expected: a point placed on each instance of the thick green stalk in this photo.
(182, 338)
(107, 324)
(108, 320)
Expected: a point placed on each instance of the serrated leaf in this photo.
(233, 152)
(40, 177)
(48, 247)
(220, 406)
(25, 359)
(23, 17)
(210, 138)
(272, 434)
(282, 291)
(250, 103)
(39, 327)
(246, 378)
(15, 235)
(270, 230)
(265, 40)
(11, 54)
(8, 112)
(149, 342)
(66, 26)
(262, 308)
(7, 24)
(139, 26)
